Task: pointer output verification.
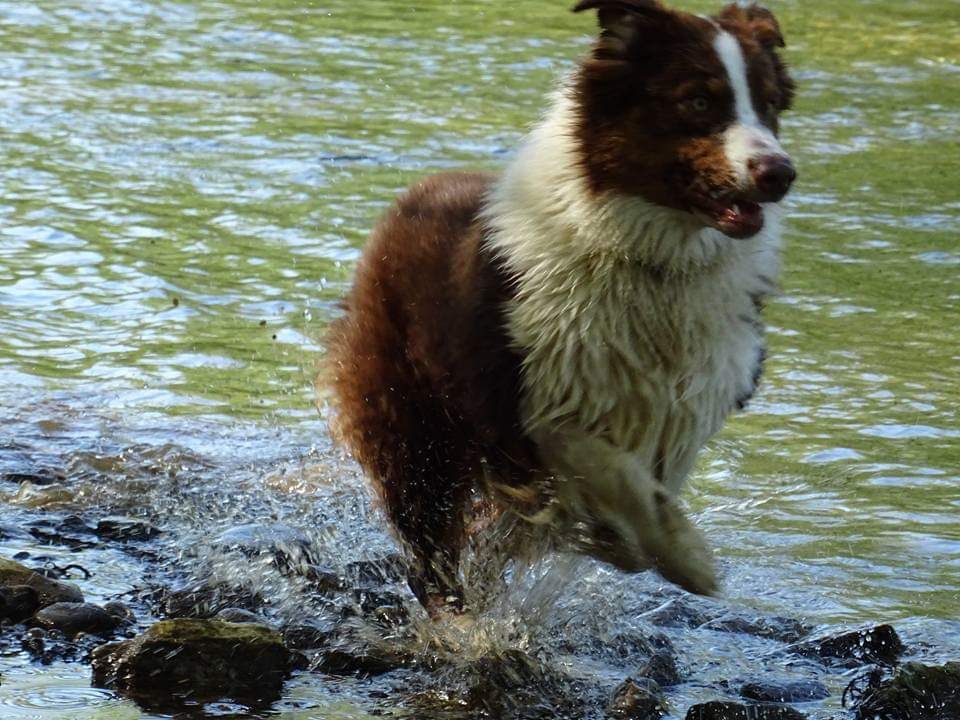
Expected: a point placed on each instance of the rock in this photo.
(661, 668)
(43, 476)
(41, 496)
(290, 548)
(735, 711)
(638, 700)
(72, 618)
(239, 615)
(204, 600)
(48, 591)
(195, 661)
(786, 692)
(785, 630)
(125, 529)
(877, 645)
(18, 602)
(119, 610)
(377, 571)
(678, 612)
(916, 692)
(305, 637)
(361, 662)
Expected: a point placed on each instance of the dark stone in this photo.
(43, 476)
(290, 548)
(369, 600)
(916, 692)
(360, 662)
(125, 529)
(73, 618)
(662, 668)
(48, 591)
(638, 700)
(785, 630)
(305, 637)
(195, 661)
(877, 645)
(119, 610)
(679, 612)
(18, 602)
(202, 600)
(785, 692)
(377, 571)
(735, 711)
(324, 579)
(239, 615)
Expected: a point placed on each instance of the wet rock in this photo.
(178, 661)
(377, 571)
(18, 602)
(42, 496)
(125, 529)
(916, 692)
(679, 612)
(735, 711)
(880, 645)
(785, 630)
(305, 637)
(324, 579)
(48, 591)
(638, 700)
(289, 547)
(662, 668)
(360, 661)
(785, 692)
(43, 476)
(203, 600)
(71, 618)
(119, 610)
(239, 615)
(368, 601)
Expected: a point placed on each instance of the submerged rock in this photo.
(239, 615)
(71, 618)
(638, 700)
(204, 600)
(289, 547)
(735, 711)
(879, 645)
(781, 629)
(662, 668)
(48, 591)
(786, 692)
(359, 662)
(915, 692)
(178, 661)
(41, 496)
(18, 602)
(125, 529)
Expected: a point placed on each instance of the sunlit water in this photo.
(186, 187)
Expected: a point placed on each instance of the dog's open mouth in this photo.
(737, 218)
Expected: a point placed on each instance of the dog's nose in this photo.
(772, 176)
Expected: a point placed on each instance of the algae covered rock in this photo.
(916, 692)
(876, 645)
(185, 660)
(48, 591)
(735, 711)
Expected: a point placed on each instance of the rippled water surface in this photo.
(185, 187)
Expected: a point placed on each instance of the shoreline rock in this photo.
(48, 591)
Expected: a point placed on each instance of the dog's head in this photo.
(683, 111)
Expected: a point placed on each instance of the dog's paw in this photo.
(679, 551)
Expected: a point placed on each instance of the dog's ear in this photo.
(761, 23)
(622, 21)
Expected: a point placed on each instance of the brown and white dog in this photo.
(584, 322)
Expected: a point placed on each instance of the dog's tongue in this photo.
(743, 219)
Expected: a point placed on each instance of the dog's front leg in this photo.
(618, 512)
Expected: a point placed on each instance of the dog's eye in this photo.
(700, 104)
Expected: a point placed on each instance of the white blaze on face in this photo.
(747, 138)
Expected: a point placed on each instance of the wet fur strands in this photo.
(557, 343)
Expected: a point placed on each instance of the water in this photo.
(187, 185)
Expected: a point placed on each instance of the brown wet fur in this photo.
(426, 385)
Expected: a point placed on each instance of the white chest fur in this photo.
(637, 326)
